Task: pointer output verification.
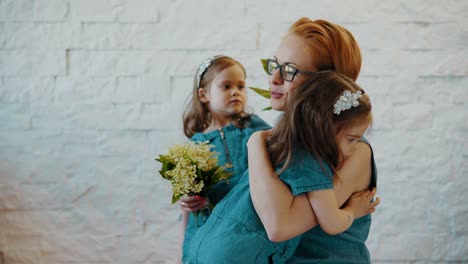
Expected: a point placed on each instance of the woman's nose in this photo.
(276, 77)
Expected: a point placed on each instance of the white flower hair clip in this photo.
(204, 66)
(346, 101)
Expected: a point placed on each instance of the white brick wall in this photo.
(92, 90)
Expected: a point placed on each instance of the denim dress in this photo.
(231, 145)
(316, 246)
(234, 232)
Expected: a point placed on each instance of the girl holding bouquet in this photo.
(216, 113)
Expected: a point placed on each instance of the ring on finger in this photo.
(184, 204)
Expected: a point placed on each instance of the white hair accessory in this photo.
(346, 101)
(204, 66)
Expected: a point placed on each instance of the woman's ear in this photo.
(202, 94)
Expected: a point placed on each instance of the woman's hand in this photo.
(192, 203)
(361, 203)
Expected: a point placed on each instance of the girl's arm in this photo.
(334, 220)
(283, 214)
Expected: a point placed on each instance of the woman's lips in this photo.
(276, 95)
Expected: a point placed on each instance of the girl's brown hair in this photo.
(331, 45)
(309, 122)
(196, 117)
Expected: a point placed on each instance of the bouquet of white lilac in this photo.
(192, 169)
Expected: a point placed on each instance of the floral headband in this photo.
(346, 101)
(204, 66)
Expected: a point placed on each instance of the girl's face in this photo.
(292, 51)
(226, 95)
(348, 138)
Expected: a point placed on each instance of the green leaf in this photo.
(175, 198)
(262, 92)
(166, 166)
(264, 64)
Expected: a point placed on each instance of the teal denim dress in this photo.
(234, 232)
(316, 246)
(231, 145)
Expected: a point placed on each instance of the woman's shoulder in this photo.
(257, 123)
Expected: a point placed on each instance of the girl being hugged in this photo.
(216, 113)
(323, 121)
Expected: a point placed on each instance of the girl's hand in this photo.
(192, 203)
(361, 203)
(259, 137)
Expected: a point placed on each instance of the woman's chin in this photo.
(277, 105)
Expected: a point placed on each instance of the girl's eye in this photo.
(227, 86)
(241, 87)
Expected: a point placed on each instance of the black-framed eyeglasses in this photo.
(287, 72)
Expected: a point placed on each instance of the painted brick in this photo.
(208, 10)
(147, 89)
(413, 116)
(147, 116)
(91, 116)
(140, 11)
(401, 247)
(48, 115)
(90, 10)
(3, 38)
(450, 248)
(119, 36)
(105, 63)
(32, 62)
(15, 116)
(178, 36)
(51, 10)
(28, 35)
(93, 90)
(16, 10)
